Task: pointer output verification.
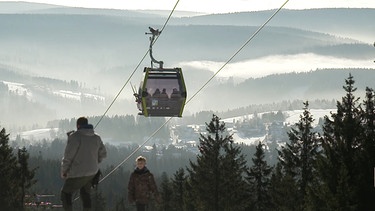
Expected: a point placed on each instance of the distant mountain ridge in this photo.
(9, 7)
(98, 49)
(320, 20)
(42, 8)
(76, 40)
(340, 21)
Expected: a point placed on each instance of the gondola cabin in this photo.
(162, 92)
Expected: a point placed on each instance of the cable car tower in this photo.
(162, 91)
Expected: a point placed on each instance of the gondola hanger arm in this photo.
(154, 33)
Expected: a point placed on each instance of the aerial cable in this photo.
(144, 56)
(240, 49)
(135, 69)
(136, 150)
(205, 84)
(222, 67)
(122, 88)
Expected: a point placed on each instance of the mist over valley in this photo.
(61, 62)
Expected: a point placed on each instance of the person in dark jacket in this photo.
(142, 186)
(83, 152)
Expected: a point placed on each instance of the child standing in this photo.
(142, 185)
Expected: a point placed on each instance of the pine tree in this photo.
(216, 178)
(339, 168)
(189, 195)
(16, 177)
(258, 177)
(298, 156)
(25, 175)
(367, 154)
(166, 192)
(283, 190)
(179, 190)
(8, 166)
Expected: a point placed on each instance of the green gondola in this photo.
(162, 91)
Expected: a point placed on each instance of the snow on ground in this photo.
(77, 95)
(18, 88)
(238, 118)
(294, 116)
(68, 94)
(247, 141)
(38, 134)
(95, 97)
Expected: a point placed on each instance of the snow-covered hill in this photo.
(25, 90)
(293, 117)
(37, 135)
(44, 100)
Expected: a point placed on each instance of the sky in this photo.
(211, 6)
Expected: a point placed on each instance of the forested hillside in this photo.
(311, 168)
(316, 84)
(40, 100)
(320, 20)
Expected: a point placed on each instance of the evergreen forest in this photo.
(329, 169)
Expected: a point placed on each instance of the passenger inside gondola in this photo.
(145, 93)
(168, 93)
(164, 94)
(156, 93)
(175, 93)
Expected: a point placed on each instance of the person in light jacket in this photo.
(83, 153)
(142, 186)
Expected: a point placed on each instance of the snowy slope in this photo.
(18, 88)
(37, 135)
(21, 89)
(292, 118)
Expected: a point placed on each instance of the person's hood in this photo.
(141, 171)
(88, 126)
(87, 130)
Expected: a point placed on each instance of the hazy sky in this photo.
(269, 65)
(211, 6)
